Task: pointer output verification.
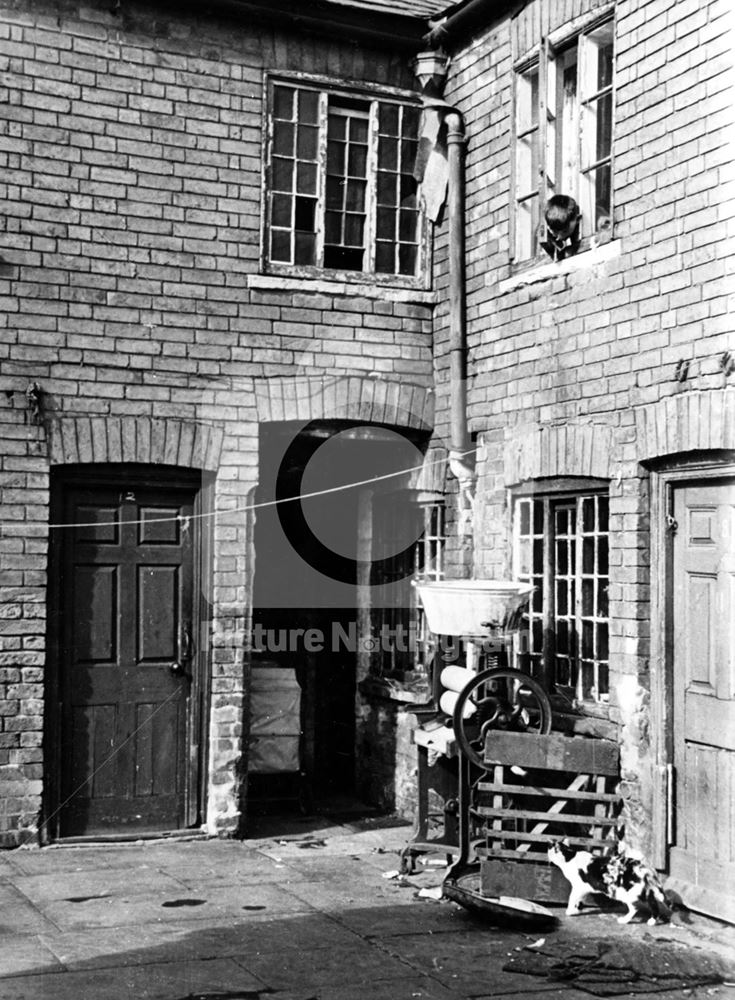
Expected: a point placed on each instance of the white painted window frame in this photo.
(542, 660)
(564, 165)
(372, 95)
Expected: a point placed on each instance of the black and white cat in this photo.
(623, 876)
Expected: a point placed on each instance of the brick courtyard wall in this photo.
(564, 359)
(129, 280)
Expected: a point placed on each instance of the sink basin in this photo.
(471, 607)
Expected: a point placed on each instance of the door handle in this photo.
(185, 643)
(178, 667)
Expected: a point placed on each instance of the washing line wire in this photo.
(235, 510)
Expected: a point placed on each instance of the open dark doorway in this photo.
(312, 565)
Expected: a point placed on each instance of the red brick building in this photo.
(215, 262)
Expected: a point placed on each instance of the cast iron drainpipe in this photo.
(460, 464)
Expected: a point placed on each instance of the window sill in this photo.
(325, 286)
(552, 269)
(582, 724)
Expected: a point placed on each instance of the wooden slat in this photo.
(600, 807)
(545, 838)
(553, 752)
(578, 783)
(515, 855)
(547, 817)
(498, 774)
(487, 786)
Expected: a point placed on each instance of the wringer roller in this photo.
(486, 614)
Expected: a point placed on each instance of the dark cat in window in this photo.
(562, 218)
(623, 876)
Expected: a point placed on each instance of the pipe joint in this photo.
(455, 128)
(464, 473)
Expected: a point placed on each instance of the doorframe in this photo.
(199, 482)
(666, 476)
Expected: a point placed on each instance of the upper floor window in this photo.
(341, 192)
(563, 136)
(561, 546)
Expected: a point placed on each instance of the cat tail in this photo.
(659, 903)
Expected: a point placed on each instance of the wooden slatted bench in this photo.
(543, 789)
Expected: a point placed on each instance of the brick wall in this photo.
(129, 259)
(591, 346)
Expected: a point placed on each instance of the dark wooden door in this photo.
(703, 854)
(125, 659)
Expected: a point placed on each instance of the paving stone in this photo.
(333, 842)
(314, 925)
(76, 885)
(252, 868)
(18, 915)
(566, 993)
(146, 943)
(408, 988)
(354, 894)
(53, 860)
(468, 961)
(27, 953)
(118, 909)
(421, 916)
(166, 981)
(7, 868)
(311, 866)
(351, 968)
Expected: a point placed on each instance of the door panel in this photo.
(126, 602)
(703, 853)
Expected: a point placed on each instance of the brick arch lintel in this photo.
(691, 421)
(351, 397)
(148, 440)
(564, 450)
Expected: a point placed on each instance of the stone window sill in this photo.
(319, 286)
(552, 269)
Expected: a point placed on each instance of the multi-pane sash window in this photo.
(341, 190)
(428, 565)
(563, 136)
(561, 546)
(413, 648)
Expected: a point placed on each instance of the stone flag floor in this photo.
(301, 911)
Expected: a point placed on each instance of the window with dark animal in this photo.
(563, 141)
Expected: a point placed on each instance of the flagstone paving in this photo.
(300, 911)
